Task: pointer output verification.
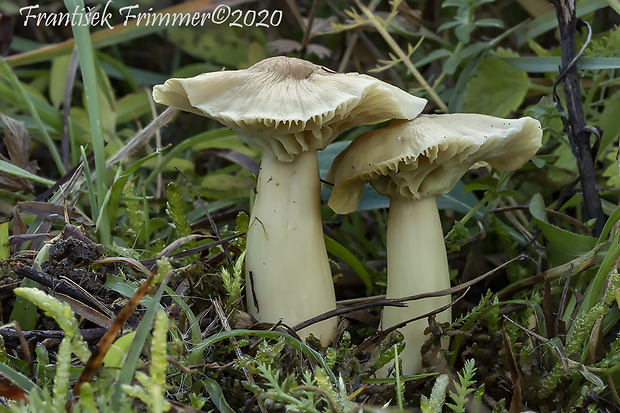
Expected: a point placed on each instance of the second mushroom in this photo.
(412, 162)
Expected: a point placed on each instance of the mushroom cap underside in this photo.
(428, 155)
(289, 105)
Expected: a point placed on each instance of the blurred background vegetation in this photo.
(542, 331)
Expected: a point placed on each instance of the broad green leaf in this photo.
(58, 79)
(132, 106)
(567, 245)
(24, 311)
(462, 32)
(453, 62)
(611, 172)
(216, 138)
(496, 88)
(218, 44)
(115, 356)
(220, 186)
(454, 3)
(182, 164)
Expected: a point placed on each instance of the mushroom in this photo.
(412, 162)
(290, 108)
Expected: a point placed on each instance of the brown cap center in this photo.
(287, 67)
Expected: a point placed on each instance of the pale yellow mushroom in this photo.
(412, 162)
(290, 108)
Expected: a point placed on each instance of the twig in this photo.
(580, 225)
(397, 302)
(308, 30)
(12, 338)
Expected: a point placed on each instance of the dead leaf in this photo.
(284, 46)
(54, 212)
(17, 141)
(19, 226)
(86, 311)
(516, 402)
(11, 391)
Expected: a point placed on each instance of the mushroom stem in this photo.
(416, 263)
(288, 276)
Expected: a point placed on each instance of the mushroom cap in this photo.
(289, 105)
(428, 155)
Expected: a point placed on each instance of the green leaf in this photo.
(462, 32)
(496, 88)
(220, 186)
(5, 252)
(340, 251)
(610, 121)
(489, 23)
(216, 395)
(218, 44)
(115, 356)
(24, 311)
(567, 245)
(216, 138)
(132, 107)
(454, 3)
(58, 79)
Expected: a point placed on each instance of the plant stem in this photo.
(417, 263)
(288, 276)
(575, 125)
(403, 57)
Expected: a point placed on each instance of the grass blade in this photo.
(89, 77)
